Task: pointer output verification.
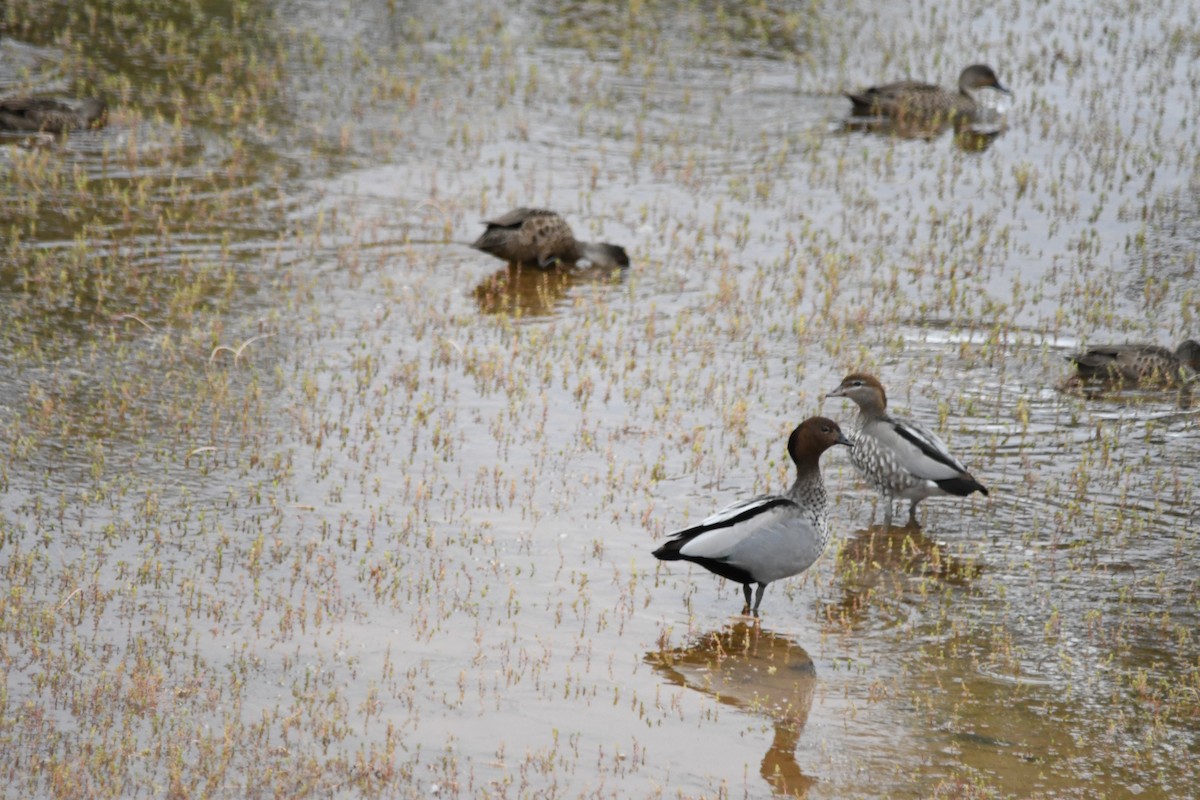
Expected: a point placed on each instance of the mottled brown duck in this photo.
(1138, 364)
(916, 99)
(543, 238)
(46, 115)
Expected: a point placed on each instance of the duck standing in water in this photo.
(771, 536)
(543, 238)
(45, 115)
(914, 99)
(898, 458)
(1139, 364)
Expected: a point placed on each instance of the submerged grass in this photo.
(300, 497)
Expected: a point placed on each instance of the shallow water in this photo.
(301, 496)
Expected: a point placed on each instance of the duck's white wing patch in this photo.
(734, 510)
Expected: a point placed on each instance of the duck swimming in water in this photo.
(46, 115)
(925, 100)
(543, 238)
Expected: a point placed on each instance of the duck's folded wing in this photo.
(737, 511)
(725, 541)
(517, 217)
(718, 535)
(776, 542)
(900, 88)
(922, 453)
(1098, 357)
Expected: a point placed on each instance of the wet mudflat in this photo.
(300, 496)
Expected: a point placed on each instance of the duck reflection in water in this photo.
(756, 671)
(880, 563)
(969, 136)
(525, 291)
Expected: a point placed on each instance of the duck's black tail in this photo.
(962, 486)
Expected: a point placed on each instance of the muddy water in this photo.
(301, 496)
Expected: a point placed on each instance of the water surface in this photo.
(301, 496)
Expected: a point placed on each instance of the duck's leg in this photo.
(746, 594)
(887, 513)
(762, 587)
(912, 515)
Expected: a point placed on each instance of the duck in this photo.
(46, 115)
(916, 99)
(900, 459)
(543, 238)
(1138, 364)
(771, 536)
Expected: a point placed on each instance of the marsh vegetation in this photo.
(302, 497)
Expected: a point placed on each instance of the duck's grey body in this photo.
(44, 115)
(543, 238)
(908, 461)
(900, 459)
(768, 537)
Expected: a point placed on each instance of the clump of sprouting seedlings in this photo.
(301, 493)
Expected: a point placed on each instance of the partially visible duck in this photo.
(900, 459)
(45, 115)
(1139, 364)
(915, 99)
(541, 237)
(771, 536)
